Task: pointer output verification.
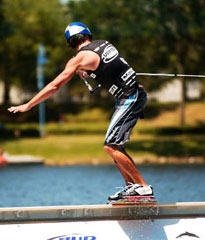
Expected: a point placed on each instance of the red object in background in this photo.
(3, 161)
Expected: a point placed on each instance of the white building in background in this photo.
(194, 89)
(18, 95)
(170, 92)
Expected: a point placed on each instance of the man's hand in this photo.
(20, 108)
(82, 74)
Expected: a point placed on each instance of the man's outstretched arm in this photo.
(85, 60)
(51, 88)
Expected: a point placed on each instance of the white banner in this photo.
(160, 229)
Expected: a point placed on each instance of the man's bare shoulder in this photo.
(87, 53)
(88, 59)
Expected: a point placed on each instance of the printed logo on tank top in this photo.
(128, 74)
(92, 75)
(113, 89)
(109, 54)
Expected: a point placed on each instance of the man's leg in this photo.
(125, 164)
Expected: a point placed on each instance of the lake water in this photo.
(81, 185)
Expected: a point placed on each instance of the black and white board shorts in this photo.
(127, 112)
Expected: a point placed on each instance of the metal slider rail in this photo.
(101, 212)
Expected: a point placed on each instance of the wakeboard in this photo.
(134, 200)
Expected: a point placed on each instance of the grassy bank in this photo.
(158, 140)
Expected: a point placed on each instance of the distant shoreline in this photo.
(138, 160)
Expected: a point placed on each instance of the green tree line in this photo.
(153, 36)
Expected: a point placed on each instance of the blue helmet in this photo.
(76, 28)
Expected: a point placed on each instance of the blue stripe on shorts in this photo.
(124, 118)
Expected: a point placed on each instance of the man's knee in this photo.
(111, 149)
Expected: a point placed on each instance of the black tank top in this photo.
(113, 72)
